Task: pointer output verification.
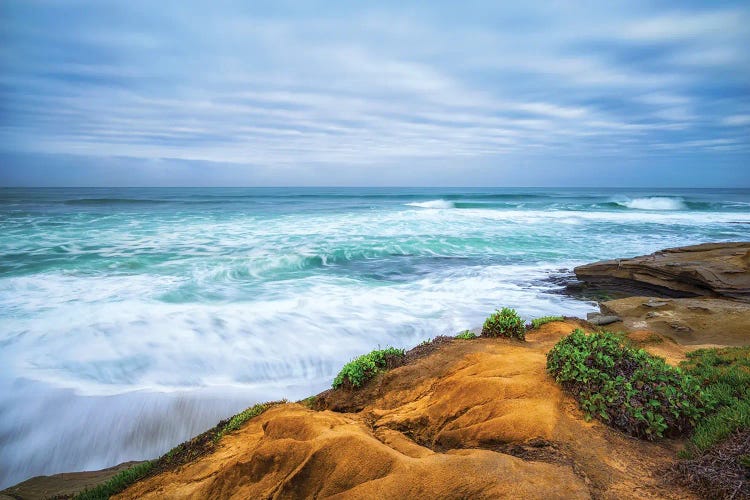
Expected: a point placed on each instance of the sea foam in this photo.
(655, 203)
(143, 319)
(432, 204)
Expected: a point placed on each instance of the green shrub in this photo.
(725, 377)
(626, 388)
(536, 323)
(358, 371)
(504, 323)
(117, 483)
(466, 335)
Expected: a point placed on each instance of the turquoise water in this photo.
(120, 306)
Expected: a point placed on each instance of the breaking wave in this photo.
(654, 203)
(432, 204)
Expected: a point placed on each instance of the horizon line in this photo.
(373, 187)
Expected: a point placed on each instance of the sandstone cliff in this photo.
(711, 269)
(473, 419)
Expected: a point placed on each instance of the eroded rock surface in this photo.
(473, 419)
(690, 321)
(711, 269)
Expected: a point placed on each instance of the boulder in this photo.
(602, 319)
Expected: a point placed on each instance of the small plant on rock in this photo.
(357, 372)
(626, 388)
(466, 335)
(236, 421)
(117, 483)
(504, 323)
(536, 323)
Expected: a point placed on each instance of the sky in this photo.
(532, 93)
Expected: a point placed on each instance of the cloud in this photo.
(275, 86)
(737, 120)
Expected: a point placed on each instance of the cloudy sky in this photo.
(530, 93)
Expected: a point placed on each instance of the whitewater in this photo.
(132, 319)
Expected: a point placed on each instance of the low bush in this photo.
(627, 388)
(117, 483)
(360, 370)
(504, 323)
(536, 323)
(466, 335)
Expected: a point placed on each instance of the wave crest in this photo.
(654, 203)
(432, 204)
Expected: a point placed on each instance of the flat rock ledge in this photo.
(707, 270)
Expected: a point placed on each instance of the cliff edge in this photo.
(471, 419)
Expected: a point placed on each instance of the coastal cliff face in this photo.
(710, 270)
(472, 419)
(698, 294)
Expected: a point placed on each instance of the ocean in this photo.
(132, 319)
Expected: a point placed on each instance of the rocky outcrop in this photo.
(471, 419)
(711, 270)
(690, 321)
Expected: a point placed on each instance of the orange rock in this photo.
(473, 419)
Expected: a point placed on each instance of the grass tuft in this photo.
(466, 335)
(236, 421)
(536, 323)
(725, 377)
(117, 483)
(360, 370)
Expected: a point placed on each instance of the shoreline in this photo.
(632, 319)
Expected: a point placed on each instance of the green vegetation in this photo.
(309, 402)
(117, 483)
(466, 335)
(360, 370)
(536, 323)
(625, 387)
(504, 323)
(725, 377)
(236, 421)
(179, 455)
